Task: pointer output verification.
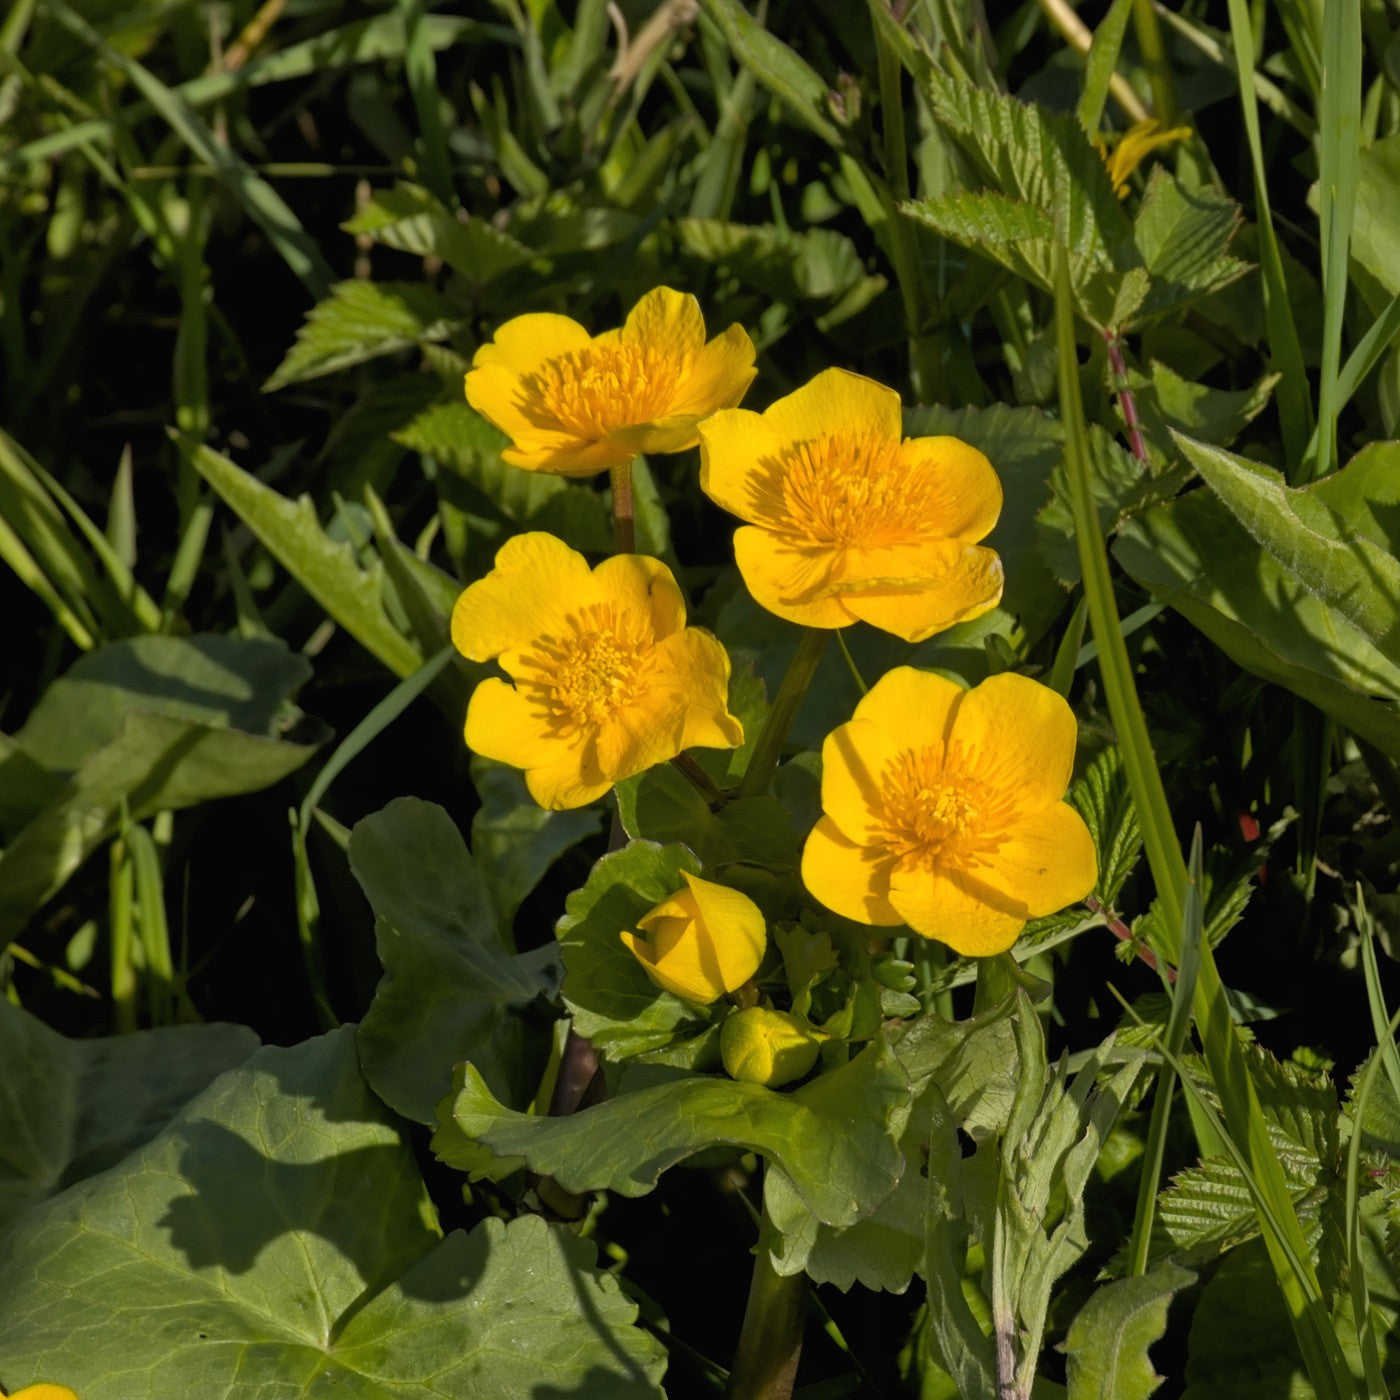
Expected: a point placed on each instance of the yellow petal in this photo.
(43, 1391)
(505, 725)
(664, 317)
(739, 466)
(836, 401)
(643, 587)
(953, 907)
(561, 455)
(1046, 862)
(524, 343)
(915, 707)
(1020, 736)
(917, 590)
(850, 879)
(565, 783)
(790, 580)
(855, 758)
(966, 495)
(695, 664)
(636, 737)
(733, 924)
(718, 376)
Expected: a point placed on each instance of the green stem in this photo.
(699, 779)
(850, 662)
(120, 900)
(770, 1345)
(794, 686)
(624, 532)
(1154, 59)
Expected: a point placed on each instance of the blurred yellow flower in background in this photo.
(702, 942)
(1133, 147)
(575, 404)
(43, 1391)
(943, 810)
(849, 520)
(608, 679)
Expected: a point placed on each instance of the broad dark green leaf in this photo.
(835, 1138)
(275, 1240)
(73, 1108)
(452, 987)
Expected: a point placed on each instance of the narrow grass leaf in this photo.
(1103, 59)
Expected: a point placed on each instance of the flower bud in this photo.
(761, 1046)
(702, 942)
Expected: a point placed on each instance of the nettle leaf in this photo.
(362, 320)
(1193, 553)
(1166, 401)
(1380, 1126)
(453, 989)
(1025, 446)
(815, 264)
(1108, 1340)
(1349, 573)
(836, 1137)
(1181, 236)
(327, 568)
(461, 440)
(1105, 801)
(614, 1003)
(515, 840)
(412, 220)
(73, 1108)
(275, 1239)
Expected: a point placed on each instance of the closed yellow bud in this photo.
(761, 1046)
(702, 942)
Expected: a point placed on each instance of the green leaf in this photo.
(1166, 401)
(276, 1238)
(326, 568)
(73, 1108)
(836, 1137)
(1024, 446)
(614, 1003)
(1181, 236)
(411, 220)
(1195, 555)
(1375, 239)
(1108, 1340)
(235, 682)
(360, 321)
(515, 840)
(1346, 571)
(460, 439)
(452, 987)
(1102, 797)
(817, 264)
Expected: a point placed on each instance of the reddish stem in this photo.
(1126, 402)
(1120, 930)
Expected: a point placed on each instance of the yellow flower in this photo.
(576, 404)
(702, 942)
(1133, 147)
(847, 520)
(761, 1046)
(943, 810)
(43, 1391)
(608, 678)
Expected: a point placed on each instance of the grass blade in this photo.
(1283, 1235)
(420, 69)
(1338, 138)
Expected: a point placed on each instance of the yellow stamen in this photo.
(940, 815)
(594, 670)
(602, 387)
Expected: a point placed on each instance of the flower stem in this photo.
(795, 683)
(1136, 443)
(770, 1345)
(624, 535)
(700, 780)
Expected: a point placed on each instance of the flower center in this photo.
(593, 390)
(939, 814)
(595, 669)
(856, 489)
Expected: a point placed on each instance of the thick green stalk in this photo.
(770, 1345)
(793, 687)
(1283, 1235)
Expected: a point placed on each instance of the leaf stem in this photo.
(624, 533)
(700, 780)
(770, 1344)
(791, 690)
(1137, 445)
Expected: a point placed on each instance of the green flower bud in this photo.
(761, 1046)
